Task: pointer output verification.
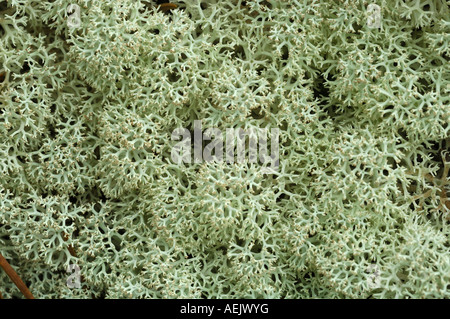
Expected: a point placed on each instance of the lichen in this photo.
(86, 176)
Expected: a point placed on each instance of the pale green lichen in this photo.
(86, 116)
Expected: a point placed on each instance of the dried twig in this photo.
(167, 6)
(73, 254)
(15, 278)
(70, 248)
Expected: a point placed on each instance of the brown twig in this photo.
(15, 278)
(72, 253)
(167, 6)
(70, 247)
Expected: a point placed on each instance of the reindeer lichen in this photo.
(357, 208)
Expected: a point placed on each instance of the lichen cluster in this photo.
(86, 177)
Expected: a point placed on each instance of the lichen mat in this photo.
(92, 206)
